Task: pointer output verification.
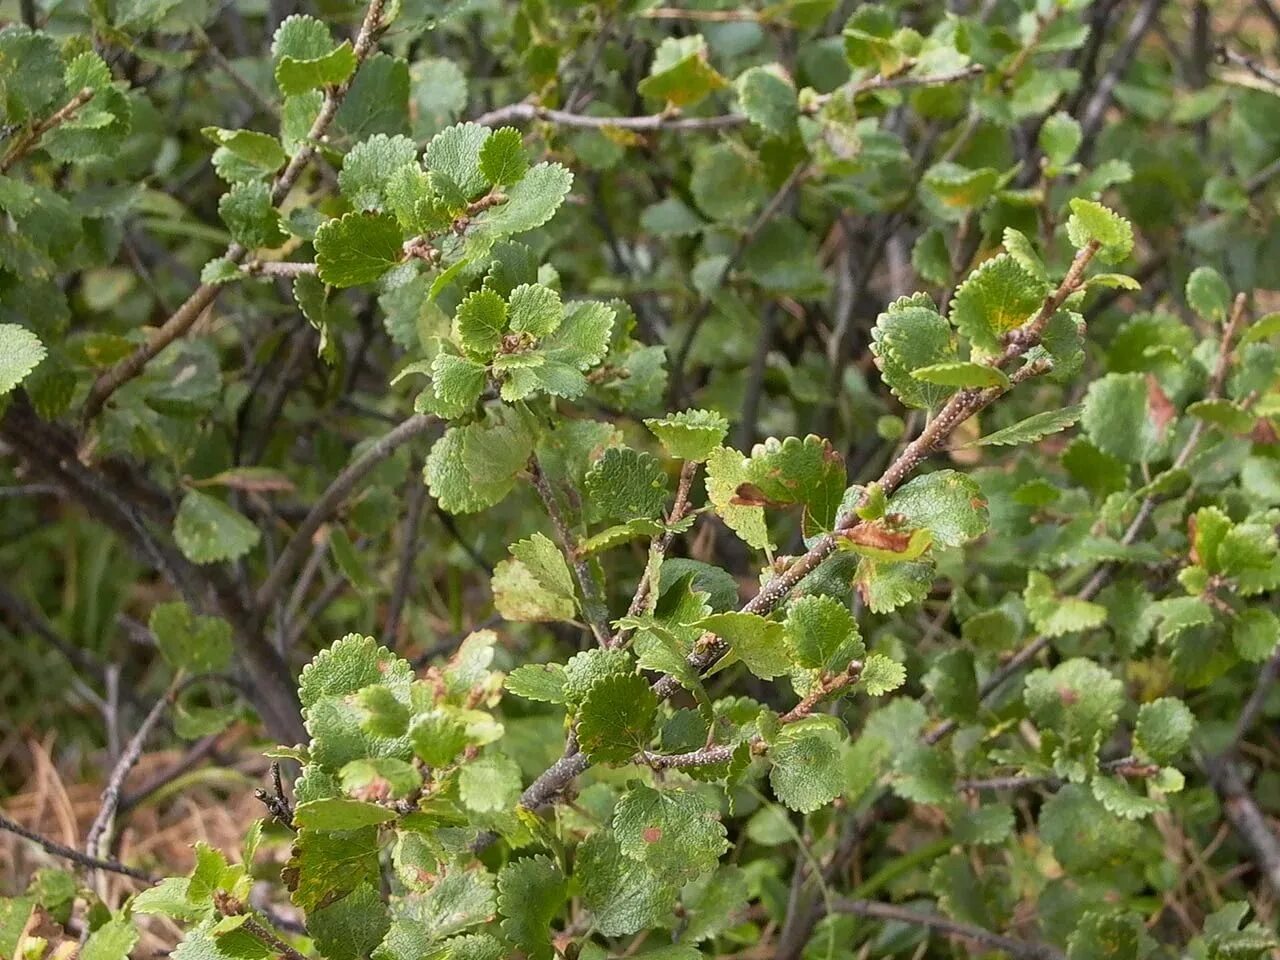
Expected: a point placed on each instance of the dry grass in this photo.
(213, 803)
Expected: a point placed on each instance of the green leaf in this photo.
(1078, 700)
(1109, 934)
(546, 562)
(380, 777)
(1208, 294)
(337, 813)
(727, 470)
(757, 642)
(20, 352)
(351, 928)
(1264, 328)
(948, 504)
(349, 665)
(768, 98)
(807, 472)
(586, 668)
(490, 784)
(111, 941)
(1033, 428)
(535, 310)
(622, 894)
(1223, 413)
(357, 248)
(1092, 222)
(323, 867)
(822, 633)
(208, 531)
(680, 74)
(480, 321)
(1054, 615)
(455, 154)
(1255, 633)
(881, 675)
(457, 901)
(250, 216)
(31, 73)
(626, 484)
(1118, 419)
(1084, 836)
(954, 191)
(258, 149)
(456, 384)
(538, 681)
(530, 203)
(582, 339)
(987, 825)
(502, 157)
(438, 736)
(306, 57)
(1163, 730)
(377, 100)
(807, 772)
(370, 164)
(998, 297)
(677, 833)
(1060, 137)
(691, 434)
(531, 892)
(191, 643)
(909, 336)
(616, 719)
(521, 598)
(713, 904)
(964, 374)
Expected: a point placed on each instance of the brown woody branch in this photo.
(295, 551)
(1019, 949)
(99, 837)
(31, 139)
(70, 853)
(671, 120)
(593, 604)
(229, 906)
(679, 510)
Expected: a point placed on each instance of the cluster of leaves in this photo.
(797, 575)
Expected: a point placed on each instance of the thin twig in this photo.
(23, 616)
(278, 268)
(671, 120)
(72, 854)
(99, 836)
(1096, 109)
(709, 756)
(228, 906)
(1125, 766)
(1267, 75)
(770, 210)
(593, 604)
(679, 510)
(415, 501)
(295, 551)
(199, 751)
(1242, 812)
(28, 141)
(1021, 949)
